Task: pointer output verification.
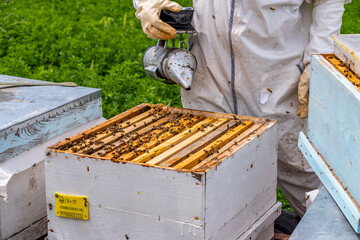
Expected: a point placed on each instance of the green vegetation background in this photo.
(95, 44)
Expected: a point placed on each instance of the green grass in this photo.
(281, 198)
(351, 18)
(94, 44)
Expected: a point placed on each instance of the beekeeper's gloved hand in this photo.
(303, 93)
(148, 12)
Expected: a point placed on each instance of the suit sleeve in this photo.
(327, 20)
(136, 2)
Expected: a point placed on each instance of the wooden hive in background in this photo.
(31, 119)
(156, 172)
(332, 142)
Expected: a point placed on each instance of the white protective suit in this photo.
(250, 57)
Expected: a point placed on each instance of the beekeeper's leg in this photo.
(295, 176)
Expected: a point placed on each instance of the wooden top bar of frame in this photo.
(166, 137)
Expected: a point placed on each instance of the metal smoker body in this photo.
(172, 65)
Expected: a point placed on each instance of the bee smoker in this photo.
(172, 65)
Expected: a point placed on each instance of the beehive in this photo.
(31, 119)
(156, 172)
(334, 132)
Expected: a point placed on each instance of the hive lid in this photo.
(23, 106)
(166, 137)
(347, 48)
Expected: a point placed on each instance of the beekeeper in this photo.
(251, 55)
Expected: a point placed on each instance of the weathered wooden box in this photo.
(32, 118)
(156, 172)
(332, 146)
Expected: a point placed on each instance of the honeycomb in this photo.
(161, 136)
(345, 70)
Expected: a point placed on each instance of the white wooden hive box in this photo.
(347, 49)
(31, 119)
(334, 132)
(156, 172)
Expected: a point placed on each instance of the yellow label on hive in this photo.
(69, 206)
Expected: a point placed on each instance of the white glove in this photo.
(303, 93)
(148, 12)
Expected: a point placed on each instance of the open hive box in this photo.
(158, 172)
(333, 130)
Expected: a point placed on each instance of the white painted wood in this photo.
(124, 199)
(23, 106)
(342, 198)
(263, 228)
(347, 48)
(333, 124)
(22, 187)
(30, 136)
(37, 229)
(133, 225)
(25, 201)
(324, 221)
(154, 203)
(242, 188)
(266, 233)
